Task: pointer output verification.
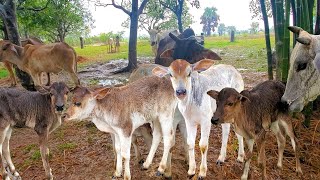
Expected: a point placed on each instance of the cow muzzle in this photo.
(215, 120)
(59, 108)
(181, 93)
(153, 43)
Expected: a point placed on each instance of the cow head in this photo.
(7, 50)
(228, 105)
(188, 49)
(59, 94)
(180, 72)
(303, 83)
(153, 36)
(83, 102)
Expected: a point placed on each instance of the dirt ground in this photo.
(78, 151)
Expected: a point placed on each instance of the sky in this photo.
(232, 13)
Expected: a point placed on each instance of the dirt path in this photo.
(80, 151)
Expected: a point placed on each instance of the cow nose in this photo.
(180, 92)
(59, 108)
(153, 43)
(284, 100)
(214, 120)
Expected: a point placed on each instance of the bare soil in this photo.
(79, 151)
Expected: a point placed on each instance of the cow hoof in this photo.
(143, 168)
(141, 161)
(158, 173)
(191, 176)
(200, 178)
(219, 163)
(168, 178)
(114, 177)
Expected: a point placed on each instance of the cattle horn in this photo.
(304, 40)
(295, 29)
(174, 37)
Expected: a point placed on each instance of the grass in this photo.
(247, 52)
(67, 146)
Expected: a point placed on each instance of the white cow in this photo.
(156, 35)
(190, 88)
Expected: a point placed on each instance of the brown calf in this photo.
(39, 111)
(253, 113)
(35, 59)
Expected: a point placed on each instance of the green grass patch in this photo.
(67, 146)
(36, 155)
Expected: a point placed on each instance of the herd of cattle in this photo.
(183, 88)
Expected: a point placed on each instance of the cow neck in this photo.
(17, 59)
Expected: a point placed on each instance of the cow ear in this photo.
(43, 89)
(101, 93)
(316, 62)
(304, 40)
(213, 94)
(6, 45)
(202, 65)
(167, 53)
(160, 71)
(295, 29)
(208, 54)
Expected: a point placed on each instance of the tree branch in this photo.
(166, 6)
(36, 9)
(143, 4)
(114, 5)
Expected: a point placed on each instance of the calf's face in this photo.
(59, 95)
(83, 102)
(228, 105)
(180, 74)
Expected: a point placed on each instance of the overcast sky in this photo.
(232, 13)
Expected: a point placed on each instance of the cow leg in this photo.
(136, 148)
(155, 143)
(241, 148)
(225, 136)
(9, 67)
(43, 139)
(6, 153)
(286, 122)
(203, 144)
(262, 155)
(183, 131)
(73, 76)
(246, 168)
(125, 153)
(3, 133)
(192, 133)
(166, 123)
(117, 150)
(281, 140)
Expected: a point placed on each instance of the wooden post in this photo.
(232, 36)
(81, 42)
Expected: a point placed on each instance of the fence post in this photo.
(81, 42)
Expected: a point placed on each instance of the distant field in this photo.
(248, 52)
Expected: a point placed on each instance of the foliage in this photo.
(54, 23)
(209, 19)
(255, 9)
(231, 28)
(221, 29)
(254, 27)
(155, 16)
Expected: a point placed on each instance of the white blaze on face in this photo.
(153, 36)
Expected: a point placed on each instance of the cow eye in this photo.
(77, 104)
(189, 74)
(301, 66)
(170, 75)
(230, 104)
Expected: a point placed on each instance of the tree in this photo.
(8, 16)
(209, 19)
(134, 14)
(254, 27)
(231, 28)
(221, 29)
(176, 6)
(154, 16)
(60, 18)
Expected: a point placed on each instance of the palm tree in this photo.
(209, 19)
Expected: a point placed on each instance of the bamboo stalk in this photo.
(279, 44)
(286, 42)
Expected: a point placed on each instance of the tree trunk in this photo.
(279, 31)
(317, 26)
(179, 15)
(10, 22)
(294, 17)
(81, 42)
(132, 39)
(267, 37)
(232, 36)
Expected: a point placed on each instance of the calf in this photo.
(253, 113)
(35, 59)
(197, 107)
(40, 111)
(120, 110)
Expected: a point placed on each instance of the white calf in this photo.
(190, 87)
(121, 110)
